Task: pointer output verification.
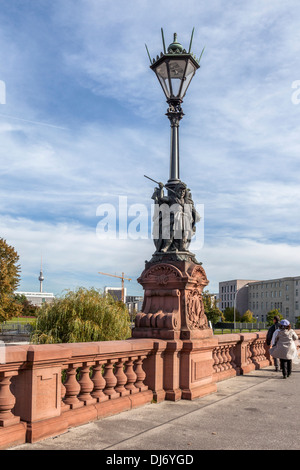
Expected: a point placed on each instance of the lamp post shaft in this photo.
(174, 114)
(174, 153)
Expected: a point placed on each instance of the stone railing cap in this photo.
(48, 353)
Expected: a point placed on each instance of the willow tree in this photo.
(81, 316)
(9, 281)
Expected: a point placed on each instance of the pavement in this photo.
(257, 411)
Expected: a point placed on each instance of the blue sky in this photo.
(84, 120)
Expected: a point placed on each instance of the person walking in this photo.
(270, 335)
(285, 348)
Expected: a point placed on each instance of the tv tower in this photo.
(41, 277)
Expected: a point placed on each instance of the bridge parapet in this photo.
(47, 389)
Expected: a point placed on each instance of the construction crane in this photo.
(120, 277)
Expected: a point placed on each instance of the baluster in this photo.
(110, 380)
(86, 385)
(249, 353)
(225, 358)
(99, 382)
(72, 388)
(232, 357)
(140, 374)
(7, 400)
(255, 354)
(259, 358)
(221, 368)
(265, 350)
(228, 357)
(216, 360)
(131, 376)
(262, 349)
(63, 406)
(121, 378)
(258, 348)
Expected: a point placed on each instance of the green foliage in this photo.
(81, 316)
(271, 314)
(28, 309)
(210, 307)
(229, 315)
(9, 281)
(248, 317)
(297, 323)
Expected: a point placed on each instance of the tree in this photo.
(9, 281)
(210, 307)
(80, 316)
(28, 309)
(229, 314)
(248, 317)
(271, 314)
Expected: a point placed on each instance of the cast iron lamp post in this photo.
(175, 68)
(173, 280)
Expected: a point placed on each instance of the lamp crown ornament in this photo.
(175, 47)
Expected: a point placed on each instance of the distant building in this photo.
(134, 303)
(38, 298)
(234, 294)
(115, 292)
(260, 297)
(281, 294)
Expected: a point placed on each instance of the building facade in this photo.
(234, 294)
(115, 292)
(38, 298)
(260, 297)
(134, 303)
(281, 294)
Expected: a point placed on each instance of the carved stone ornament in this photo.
(173, 305)
(195, 314)
(162, 274)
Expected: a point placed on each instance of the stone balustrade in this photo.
(238, 354)
(47, 389)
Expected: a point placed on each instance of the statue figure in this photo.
(174, 218)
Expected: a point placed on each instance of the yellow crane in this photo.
(120, 277)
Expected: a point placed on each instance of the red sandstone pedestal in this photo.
(173, 305)
(173, 311)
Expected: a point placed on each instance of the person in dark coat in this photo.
(270, 333)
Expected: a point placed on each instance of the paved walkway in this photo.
(258, 411)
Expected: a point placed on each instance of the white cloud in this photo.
(234, 258)
(239, 139)
(72, 254)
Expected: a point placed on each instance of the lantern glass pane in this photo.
(162, 75)
(190, 72)
(176, 70)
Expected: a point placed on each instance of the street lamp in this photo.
(175, 68)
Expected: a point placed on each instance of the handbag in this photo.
(272, 351)
(295, 359)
